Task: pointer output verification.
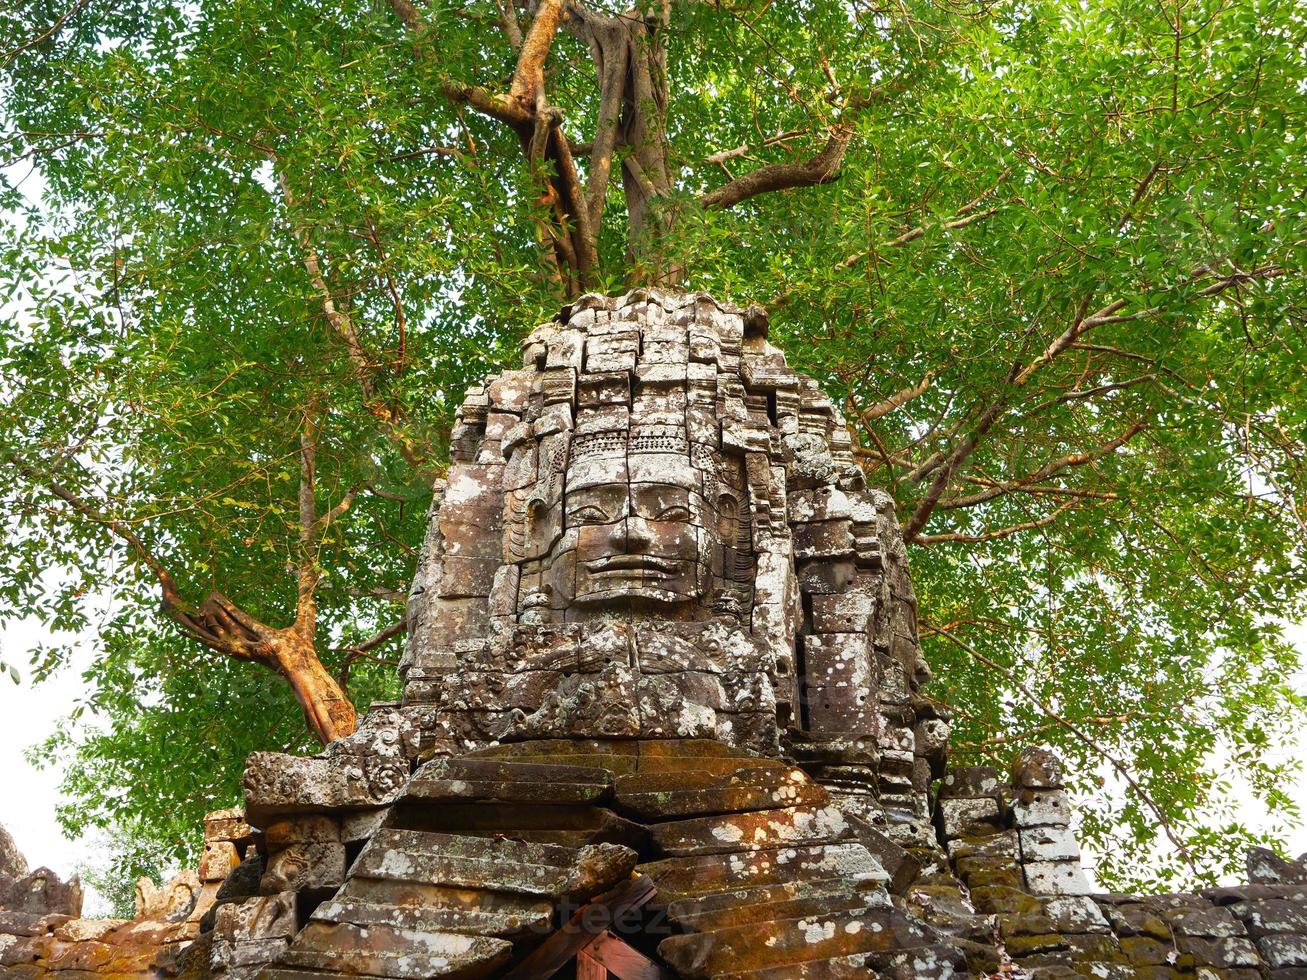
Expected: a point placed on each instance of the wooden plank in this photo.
(590, 920)
(589, 969)
(622, 961)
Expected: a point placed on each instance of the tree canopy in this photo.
(1047, 254)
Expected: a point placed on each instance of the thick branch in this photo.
(820, 169)
(529, 77)
(173, 604)
(898, 399)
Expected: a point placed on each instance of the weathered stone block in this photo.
(316, 865)
(1275, 915)
(513, 782)
(503, 865)
(1049, 843)
(228, 825)
(218, 860)
(1284, 950)
(969, 782)
(1056, 878)
(1041, 808)
(260, 917)
(751, 831)
(968, 817)
(41, 892)
(277, 784)
(1037, 768)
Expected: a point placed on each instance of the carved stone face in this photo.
(640, 540)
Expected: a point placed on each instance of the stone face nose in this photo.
(638, 535)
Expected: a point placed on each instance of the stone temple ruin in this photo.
(663, 716)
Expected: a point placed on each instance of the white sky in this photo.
(28, 797)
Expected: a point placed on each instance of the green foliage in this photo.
(129, 855)
(1037, 162)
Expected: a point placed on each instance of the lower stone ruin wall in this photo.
(994, 887)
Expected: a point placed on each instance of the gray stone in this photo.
(41, 892)
(12, 862)
(1265, 867)
(1037, 768)
(1056, 878)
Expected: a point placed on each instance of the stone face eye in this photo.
(676, 512)
(589, 514)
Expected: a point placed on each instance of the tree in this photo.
(1049, 255)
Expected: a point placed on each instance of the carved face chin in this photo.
(641, 540)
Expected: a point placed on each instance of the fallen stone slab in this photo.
(511, 782)
(481, 862)
(689, 911)
(384, 951)
(837, 968)
(791, 941)
(683, 877)
(662, 795)
(563, 825)
(506, 923)
(834, 901)
(751, 831)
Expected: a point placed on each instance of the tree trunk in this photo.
(631, 63)
(291, 652)
(328, 712)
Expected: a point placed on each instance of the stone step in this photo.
(497, 865)
(754, 946)
(799, 825)
(847, 900)
(685, 910)
(685, 877)
(386, 951)
(436, 918)
(657, 796)
(418, 896)
(837, 968)
(562, 825)
(508, 781)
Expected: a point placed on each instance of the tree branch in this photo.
(898, 399)
(344, 327)
(1069, 461)
(820, 169)
(1005, 532)
(529, 77)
